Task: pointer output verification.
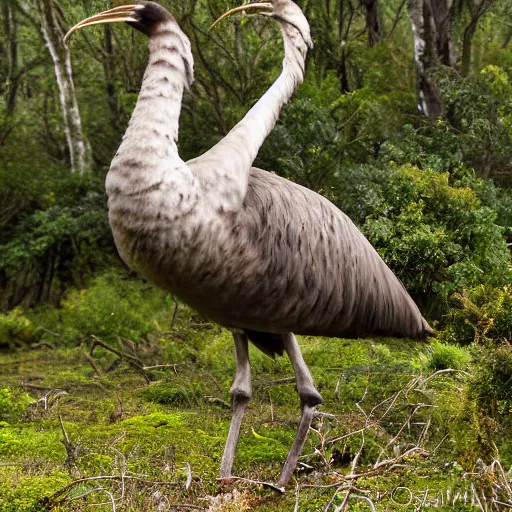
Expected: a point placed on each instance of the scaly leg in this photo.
(310, 398)
(241, 393)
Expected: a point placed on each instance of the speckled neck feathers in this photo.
(149, 146)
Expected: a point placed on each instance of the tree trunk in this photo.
(476, 10)
(467, 47)
(372, 20)
(443, 23)
(110, 84)
(11, 36)
(79, 149)
(426, 55)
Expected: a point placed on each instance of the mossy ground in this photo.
(160, 435)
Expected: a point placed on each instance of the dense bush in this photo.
(492, 383)
(480, 111)
(481, 313)
(16, 328)
(56, 245)
(432, 230)
(113, 305)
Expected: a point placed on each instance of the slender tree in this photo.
(53, 34)
(476, 10)
(373, 22)
(11, 50)
(426, 55)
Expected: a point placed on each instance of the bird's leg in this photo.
(310, 398)
(241, 393)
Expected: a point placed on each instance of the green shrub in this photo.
(15, 328)
(480, 109)
(13, 404)
(492, 382)
(481, 313)
(433, 231)
(441, 356)
(114, 305)
(46, 250)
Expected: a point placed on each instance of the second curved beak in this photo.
(116, 15)
(265, 8)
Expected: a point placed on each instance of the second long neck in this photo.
(254, 128)
(153, 129)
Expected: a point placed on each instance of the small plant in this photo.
(16, 328)
(13, 404)
(114, 305)
(483, 313)
(442, 356)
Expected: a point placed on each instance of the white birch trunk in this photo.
(79, 149)
(425, 56)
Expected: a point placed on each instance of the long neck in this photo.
(153, 129)
(251, 132)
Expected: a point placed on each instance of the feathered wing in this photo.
(322, 277)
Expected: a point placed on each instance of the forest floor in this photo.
(95, 427)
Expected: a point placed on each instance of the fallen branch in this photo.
(36, 387)
(268, 485)
(160, 366)
(130, 359)
(116, 478)
(278, 382)
(95, 367)
(185, 505)
(217, 401)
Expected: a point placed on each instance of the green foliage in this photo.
(78, 228)
(13, 404)
(492, 383)
(480, 110)
(16, 328)
(433, 231)
(58, 244)
(481, 313)
(441, 356)
(114, 305)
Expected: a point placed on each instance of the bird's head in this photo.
(287, 13)
(147, 17)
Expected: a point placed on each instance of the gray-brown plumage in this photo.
(248, 249)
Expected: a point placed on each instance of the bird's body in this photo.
(248, 249)
(286, 260)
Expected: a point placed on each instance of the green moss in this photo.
(13, 403)
(160, 429)
(23, 493)
(442, 356)
(268, 444)
(25, 440)
(178, 392)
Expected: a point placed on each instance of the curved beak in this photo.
(264, 8)
(116, 15)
